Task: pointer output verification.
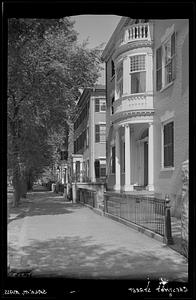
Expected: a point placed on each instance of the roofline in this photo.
(111, 41)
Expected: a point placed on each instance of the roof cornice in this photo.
(109, 48)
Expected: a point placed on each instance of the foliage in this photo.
(46, 69)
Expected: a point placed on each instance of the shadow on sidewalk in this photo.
(76, 257)
(41, 203)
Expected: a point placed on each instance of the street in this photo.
(59, 238)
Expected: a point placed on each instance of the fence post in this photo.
(168, 232)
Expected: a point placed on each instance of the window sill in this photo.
(166, 86)
(168, 169)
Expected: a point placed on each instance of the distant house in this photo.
(147, 95)
(89, 157)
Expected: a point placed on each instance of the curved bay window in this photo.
(138, 74)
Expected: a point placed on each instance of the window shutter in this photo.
(168, 145)
(159, 68)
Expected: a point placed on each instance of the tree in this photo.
(46, 69)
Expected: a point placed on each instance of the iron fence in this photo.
(85, 196)
(144, 211)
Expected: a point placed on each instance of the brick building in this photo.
(89, 158)
(147, 90)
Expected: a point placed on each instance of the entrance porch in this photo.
(134, 157)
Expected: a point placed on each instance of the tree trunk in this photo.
(16, 186)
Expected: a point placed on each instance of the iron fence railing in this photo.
(144, 211)
(85, 196)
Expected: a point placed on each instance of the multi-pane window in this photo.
(113, 169)
(165, 63)
(100, 104)
(119, 80)
(168, 145)
(97, 105)
(138, 74)
(169, 59)
(100, 134)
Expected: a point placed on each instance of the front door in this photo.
(145, 163)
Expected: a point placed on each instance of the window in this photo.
(96, 105)
(165, 63)
(113, 169)
(100, 105)
(100, 133)
(100, 168)
(169, 48)
(119, 80)
(112, 68)
(168, 145)
(138, 74)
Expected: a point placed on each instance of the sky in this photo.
(98, 29)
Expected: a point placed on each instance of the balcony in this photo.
(135, 32)
(136, 102)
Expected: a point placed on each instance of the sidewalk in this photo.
(58, 238)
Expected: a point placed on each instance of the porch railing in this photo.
(144, 211)
(85, 196)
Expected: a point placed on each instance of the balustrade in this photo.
(135, 32)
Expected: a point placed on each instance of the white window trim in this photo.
(163, 123)
(137, 54)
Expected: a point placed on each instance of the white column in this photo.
(81, 170)
(128, 186)
(149, 80)
(74, 169)
(151, 157)
(117, 160)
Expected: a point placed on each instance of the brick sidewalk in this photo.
(70, 240)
